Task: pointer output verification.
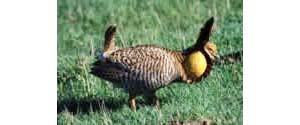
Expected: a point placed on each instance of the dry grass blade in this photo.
(230, 58)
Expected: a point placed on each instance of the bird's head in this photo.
(211, 49)
(199, 58)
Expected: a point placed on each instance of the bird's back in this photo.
(139, 69)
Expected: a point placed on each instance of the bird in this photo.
(141, 70)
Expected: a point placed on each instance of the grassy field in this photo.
(174, 24)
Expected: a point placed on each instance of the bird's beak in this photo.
(217, 57)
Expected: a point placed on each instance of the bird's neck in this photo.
(202, 60)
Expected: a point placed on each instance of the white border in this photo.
(271, 62)
(28, 62)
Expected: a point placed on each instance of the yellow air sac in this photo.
(196, 63)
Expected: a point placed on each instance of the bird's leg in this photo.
(132, 102)
(152, 99)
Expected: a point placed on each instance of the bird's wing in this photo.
(145, 64)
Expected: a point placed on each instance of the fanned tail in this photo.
(107, 71)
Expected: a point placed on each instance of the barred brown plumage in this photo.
(143, 69)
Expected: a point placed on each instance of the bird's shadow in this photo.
(88, 105)
(102, 104)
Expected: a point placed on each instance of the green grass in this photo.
(172, 24)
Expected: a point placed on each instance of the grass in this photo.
(174, 24)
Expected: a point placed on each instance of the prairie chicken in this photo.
(143, 69)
